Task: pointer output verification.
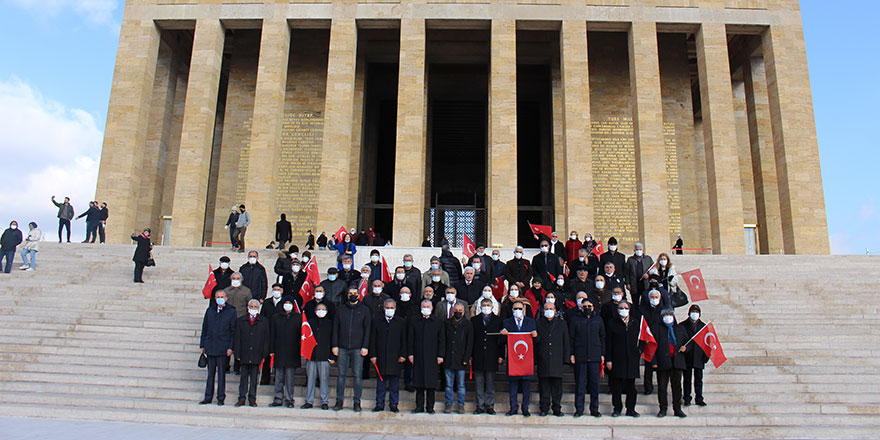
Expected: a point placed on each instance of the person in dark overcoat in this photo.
(286, 337)
(486, 355)
(613, 256)
(669, 360)
(587, 333)
(253, 275)
(553, 350)
(252, 338)
(216, 343)
(141, 254)
(426, 347)
(622, 355)
(519, 323)
(459, 344)
(318, 365)
(545, 265)
(223, 276)
(388, 353)
(695, 357)
(271, 306)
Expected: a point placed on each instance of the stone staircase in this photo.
(78, 340)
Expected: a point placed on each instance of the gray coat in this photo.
(630, 273)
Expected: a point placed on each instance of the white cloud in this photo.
(47, 150)
(94, 11)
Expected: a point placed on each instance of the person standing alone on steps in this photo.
(65, 215)
(141, 254)
(241, 225)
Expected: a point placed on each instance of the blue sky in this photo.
(56, 66)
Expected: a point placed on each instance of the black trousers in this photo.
(649, 377)
(551, 394)
(63, 223)
(248, 384)
(664, 377)
(216, 366)
(101, 231)
(139, 271)
(266, 374)
(697, 374)
(618, 386)
(425, 399)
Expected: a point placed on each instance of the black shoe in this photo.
(686, 403)
(290, 405)
(578, 413)
(205, 402)
(394, 409)
(264, 382)
(648, 391)
(510, 413)
(633, 414)
(357, 407)
(325, 406)
(596, 414)
(253, 404)
(478, 411)
(662, 413)
(615, 413)
(680, 413)
(306, 406)
(701, 402)
(490, 411)
(558, 413)
(409, 388)
(417, 411)
(239, 403)
(219, 403)
(275, 404)
(430, 411)
(543, 413)
(338, 406)
(526, 413)
(378, 408)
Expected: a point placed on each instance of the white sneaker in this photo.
(24, 267)
(29, 268)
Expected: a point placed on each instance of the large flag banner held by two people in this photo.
(520, 356)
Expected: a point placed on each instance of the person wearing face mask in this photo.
(318, 365)
(437, 281)
(589, 242)
(271, 306)
(608, 310)
(405, 301)
(142, 252)
(8, 241)
(216, 343)
(695, 358)
(388, 353)
(253, 275)
(545, 265)
(679, 244)
(486, 355)
(363, 280)
(535, 295)
(286, 335)
(518, 270)
(520, 322)
(622, 356)
(612, 277)
(450, 265)
(459, 346)
(557, 247)
(572, 248)
(31, 246)
(587, 260)
(345, 248)
(334, 287)
(576, 308)
(664, 274)
(238, 295)
(636, 272)
(375, 266)
(251, 346)
(230, 226)
(351, 341)
(445, 308)
(426, 349)
(669, 360)
(600, 293)
(321, 297)
(485, 295)
(650, 309)
(470, 289)
(413, 277)
(375, 300)
(588, 353)
(435, 265)
(581, 282)
(552, 350)
(482, 264)
(241, 225)
(613, 256)
(223, 276)
(514, 296)
(498, 265)
(348, 272)
(282, 265)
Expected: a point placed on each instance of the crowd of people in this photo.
(431, 330)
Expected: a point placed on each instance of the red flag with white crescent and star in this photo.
(307, 291)
(312, 274)
(650, 343)
(707, 339)
(308, 341)
(696, 287)
(468, 248)
(339, 233)
(520, 356)
(210, 284)
(598, 250)
(498, 288)
(386, 276)
(541, 229)
(362, 290)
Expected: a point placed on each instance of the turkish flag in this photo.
(498, 288)
(307, 342)
(541, 229)
(520, 356)
(312, 275)
(210, 284)
(339, 233)
(650, 343)
(307, 291)
(707, 339)
(696, 287)
(468, 248)
(598, 250)
(386, 276)
(362, 290)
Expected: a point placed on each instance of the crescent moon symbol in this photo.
(695, 283)
(708, 337)
(517, 345)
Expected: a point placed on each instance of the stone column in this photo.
(502, 186)
(338, 111)
(265, 149)
(127, 126)
(578, 157)
(197, 135)
(409, 162)
(719, 135)
(802, 199)
(650, 144)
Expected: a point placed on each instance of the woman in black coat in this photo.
(553, 350)
(669, 360)
(141, 254)
(426, 345)
(622, 356)
(284, 343)
(695, 358)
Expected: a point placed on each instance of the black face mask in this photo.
(457, 315)
(352, 299)
(588, 310)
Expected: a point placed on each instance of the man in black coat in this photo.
(426, 347)
(459, 344)
(469, 289)
(519, 322)
(450, 265)
(335, 287)
(271, 307)
(612, 277)
(223, 276)
(283, 265)
(413, 277)
(351, 343)
(553, 350)
(141, 253)
(482, 264)
(318, 365)
(251, 347)
(518, 271)
(375, 300)
(650, 309)
(92, 215)
(581, 282)
(669, 360)
(253, 276)
(388, 353)
(695, 357)
(636, 272)
(487, 354)
(613, 256)
(588, 260)
(103, 215)
(294, 281)
(622, 356)
(320, 298)
(285, 343)
(283, 231)
(216, 343)
(588, 341)
(545, 264)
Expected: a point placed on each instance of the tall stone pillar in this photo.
(409, 162)
(763, 157)
(719, 136)
(650, 144)
(802, 199)
(578, 158)
(265, 148)
(127, 126)
(338, 111)
(197, 135)
(502, 185)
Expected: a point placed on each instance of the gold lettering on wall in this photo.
(615, 197)
(244, 159)
(299, 170)
(673, 194)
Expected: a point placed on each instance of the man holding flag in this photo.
(520, 331)
(284, 348)
(387, 354)
(669, 360)
(318, 359)
(696, 358)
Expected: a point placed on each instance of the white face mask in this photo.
(374, 258)
(435, 278)
(346, 266)
(294, 256)
(450, 298)
(662, 263)
(616, 297)
(377, 290)
(518, 313)
(221, 301)
(236, 283)
(551, 300)
(276, 294)
(435, 266)
(13, 227)
(287, 307)
(332, 277)
(624, 313)
(252, 260)
(487, 294)
(695, 316)
(580, 302)
(517, 255)
(400, 276)
(295, 268)
(573, 237)
(426, 311)
(477, 266)
(407, 264)
(612, 248)
(639, 252)
(581, 259)
(514, 293)
(253, 312)
(480, 253)
(654, 302)
(545, 249)
(600, 284)
(365, 275)
(305, 259)
(668, 319)
(486, 310)
(549, 313)
(389, 313)
(319, 295)
(404, 297)
(560, 282)
(320, 313)
(496, 257)
(609, 274)
(224, 265)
